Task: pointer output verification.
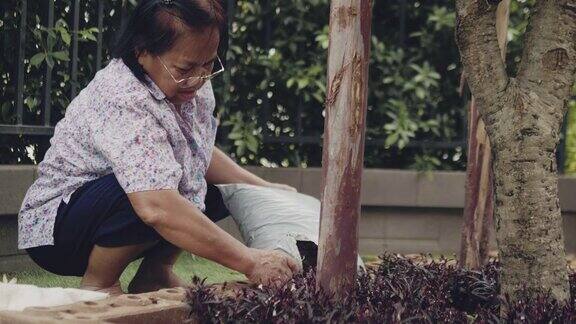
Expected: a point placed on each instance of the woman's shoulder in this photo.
(107, 99)
(116, 83)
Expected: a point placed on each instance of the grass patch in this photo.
(187, 267)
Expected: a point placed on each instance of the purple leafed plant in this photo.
(399, 290)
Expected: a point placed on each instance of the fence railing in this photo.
(46, 126)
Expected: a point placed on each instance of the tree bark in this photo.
(478, 205)
(479, 200)
(523, 118)
(343, 152)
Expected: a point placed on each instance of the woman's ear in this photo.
(142, 56)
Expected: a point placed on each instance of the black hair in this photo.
(155, 25)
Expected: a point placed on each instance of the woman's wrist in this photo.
(247, 261)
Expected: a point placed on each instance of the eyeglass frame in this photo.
(202, 78)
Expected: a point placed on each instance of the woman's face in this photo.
(193, 54)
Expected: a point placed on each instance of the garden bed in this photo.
(398, 289)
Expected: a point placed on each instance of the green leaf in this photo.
(91, 37)
(240, 150)
(420, 93)
(252, 143)
(87, 35)
(302, 83)
(66, 38)
(37, 59)
(402, 143)
(60, 23)
(31, 102)
(61, 55)
(388, 80)
(235, 136)
(391, 140)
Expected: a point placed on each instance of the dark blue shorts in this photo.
(99, 213)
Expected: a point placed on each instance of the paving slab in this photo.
(165, 306)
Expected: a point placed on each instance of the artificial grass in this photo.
(187, 267)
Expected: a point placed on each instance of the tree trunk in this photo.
(528, 219)
(479, 201)
(523, 118)
(343, 153)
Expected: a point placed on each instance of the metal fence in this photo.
(46, 127)
(299, 138)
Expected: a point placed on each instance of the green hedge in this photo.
(277, 58)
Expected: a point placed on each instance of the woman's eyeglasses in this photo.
(195, 81)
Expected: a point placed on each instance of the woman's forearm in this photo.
(183, 224)
(223, 170)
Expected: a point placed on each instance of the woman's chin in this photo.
(183, 97)
(186, 96)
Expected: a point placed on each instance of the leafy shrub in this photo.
(399, 290)
(276, 71)
(570, 150)
(412, 93)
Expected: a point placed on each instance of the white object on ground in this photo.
(274, 219)
(5, 280)
(15, 297)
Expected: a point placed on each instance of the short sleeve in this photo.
(137, 147)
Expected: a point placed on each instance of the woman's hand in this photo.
(279, 186)
(271, 267)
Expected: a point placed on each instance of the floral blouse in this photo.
(120, 125)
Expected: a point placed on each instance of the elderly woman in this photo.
(131, 167)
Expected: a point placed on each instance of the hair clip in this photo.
(168, 2)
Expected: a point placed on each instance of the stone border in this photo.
(403, 211)
(165, 306)
(14, 182)
(381, 187)
(402, 188)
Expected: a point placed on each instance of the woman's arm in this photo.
(223, 170)
(179, 221)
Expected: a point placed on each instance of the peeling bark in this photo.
(523, 117)
(343, 154)
(479, 200)
(478, 207)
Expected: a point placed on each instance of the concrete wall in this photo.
(403, 211)
(411, 212)
(14, 181)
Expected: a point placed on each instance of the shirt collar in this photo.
(154, 89)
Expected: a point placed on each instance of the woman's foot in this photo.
(152, 278)
(114, 290)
